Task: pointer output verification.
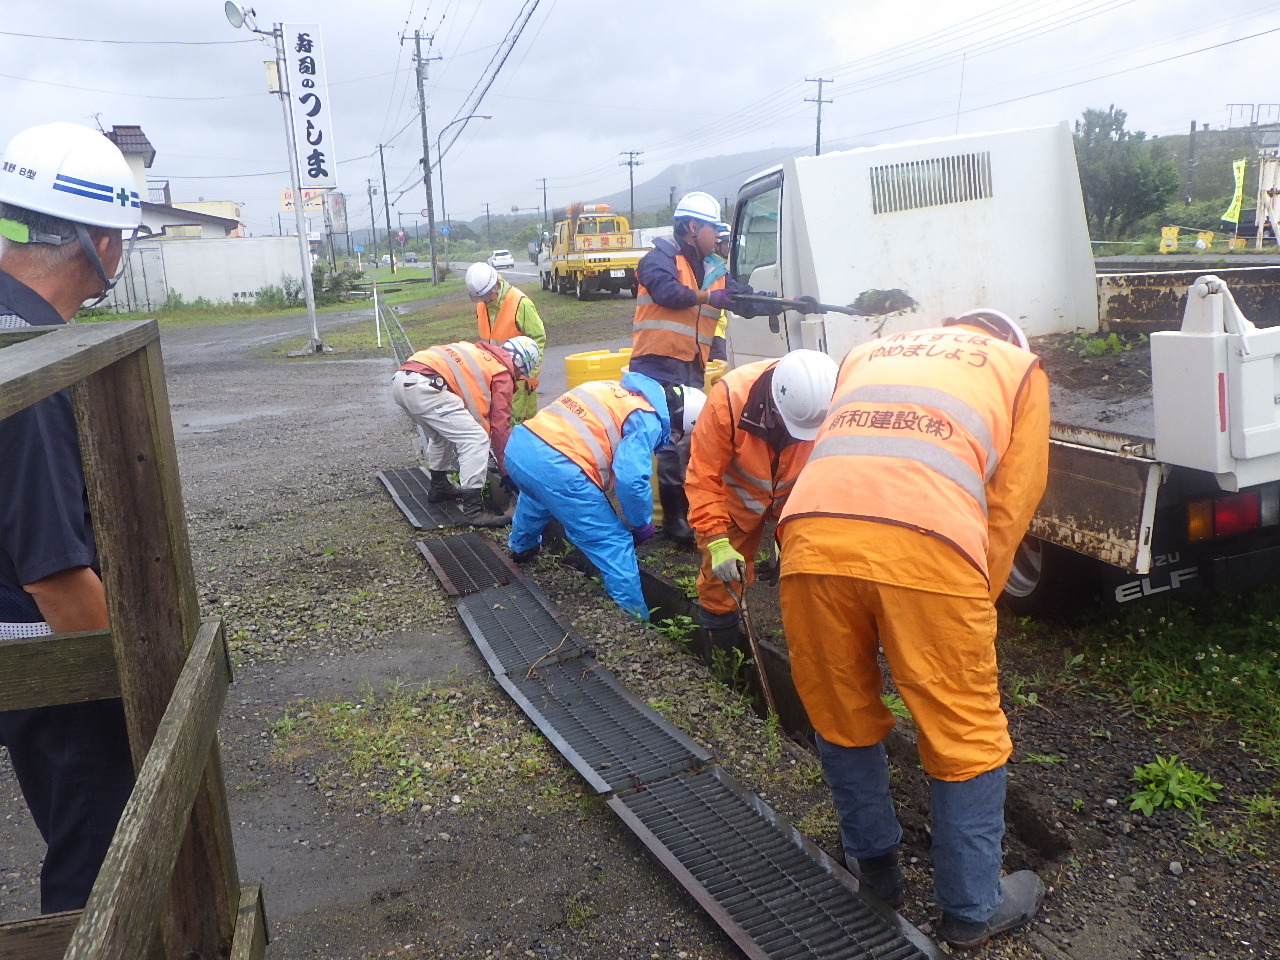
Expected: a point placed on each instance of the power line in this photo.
(118, 93)
(183, 43)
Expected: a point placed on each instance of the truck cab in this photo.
(593, 250)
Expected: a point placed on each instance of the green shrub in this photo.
(1167, 783)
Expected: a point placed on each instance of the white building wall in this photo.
(220, 270)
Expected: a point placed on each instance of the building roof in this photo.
(188, 216)
(131, 139)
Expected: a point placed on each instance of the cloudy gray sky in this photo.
(677, 80)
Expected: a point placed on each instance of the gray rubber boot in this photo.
(882, 875)
(1021, 895)
(474, 512)
(441, 489)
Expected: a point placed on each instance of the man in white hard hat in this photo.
(750, 444)
(898, 538)
(503, 312)
(460, 395)
(675, 324)
(66, 197)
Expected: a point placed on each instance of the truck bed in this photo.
(1101, 401)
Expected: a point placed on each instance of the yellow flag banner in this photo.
(1233, 212)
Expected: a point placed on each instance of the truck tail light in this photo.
(1223, 516)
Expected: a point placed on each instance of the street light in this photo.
(239, 17)
(444, 216)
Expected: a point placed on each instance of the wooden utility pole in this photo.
(386, 205)
(817, 145)
(631, 163)
(373, 225)
(488, 233)
(545, 218)
(1187, 180)
(421, 72)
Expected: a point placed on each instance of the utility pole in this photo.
(280, 226)
(631, 163)
(545, 217)
(386, 205)
(1191, 162)
(488, 234)
(373, 225)
(426, 147)
(817, 146)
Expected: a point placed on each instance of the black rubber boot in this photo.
(675, 510)
(1022, 892)
(441, 489)
(474, 512)
(882, 875)
(524, 556)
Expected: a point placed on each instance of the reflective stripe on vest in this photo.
(585, 424)
(504, 324)
(477, 400)
(686, 334)
(748, 501)
(935, 408)
(603, 458)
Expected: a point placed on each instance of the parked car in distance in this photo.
(386, 259)
(410, 257)
(502, 260)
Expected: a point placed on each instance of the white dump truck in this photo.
(1177, 487)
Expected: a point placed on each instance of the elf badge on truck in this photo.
(1173, 489)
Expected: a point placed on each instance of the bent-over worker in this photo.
(750, 444)
(460, 395)
(900, 533)
(675, 323)
(66, 196)
(503, 312)
(597, 439)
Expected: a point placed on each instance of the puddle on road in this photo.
(214, 422)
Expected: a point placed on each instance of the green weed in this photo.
(1168, 783)
(1043, 758)
(688, 583)
(1096, 346)
(897, 706)
(679, 630)
(1017, 684)
(577, 912)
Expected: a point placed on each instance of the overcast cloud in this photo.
(677, 80)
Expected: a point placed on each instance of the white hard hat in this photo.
(524, 353)
(685, 405)
(993, 322)
(70, 172)
(480, 279)
(803, 382)
(699, 206)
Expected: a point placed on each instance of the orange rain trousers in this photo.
(940, 649)
(713, 595)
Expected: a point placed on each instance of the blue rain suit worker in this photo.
(58, 249)
(561, 477)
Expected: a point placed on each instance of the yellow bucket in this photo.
(580, 368)
(715, 369)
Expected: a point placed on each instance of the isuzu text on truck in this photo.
(1178, 487)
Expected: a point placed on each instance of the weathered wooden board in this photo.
(61, 668)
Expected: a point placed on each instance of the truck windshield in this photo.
(756, 231)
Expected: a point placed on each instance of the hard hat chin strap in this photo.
(91, 252)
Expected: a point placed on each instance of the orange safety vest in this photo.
(504, 325)
(468, 370)
(757, 480)
(914, 435)
(585, 425)
(682, 334)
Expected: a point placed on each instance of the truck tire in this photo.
(1049, 581)
(546, 284)
(635, 291)
(581, 290)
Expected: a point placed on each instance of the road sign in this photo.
(424, 212)
(358, 249)
(444, 231)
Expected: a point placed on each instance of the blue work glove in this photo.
(720, 299)
(641, 534)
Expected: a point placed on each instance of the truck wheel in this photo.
(545, 283)
(1049, 581)
(635, 291)
(582, 292)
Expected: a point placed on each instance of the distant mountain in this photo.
(719, 176)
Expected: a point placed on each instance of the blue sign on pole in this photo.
(358, 249)
(444, 231)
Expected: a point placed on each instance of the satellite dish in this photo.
(235, 16)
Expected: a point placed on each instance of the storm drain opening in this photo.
(408, 490)
(468, 563)
(612, 739)
(775, 893)
(515, 628)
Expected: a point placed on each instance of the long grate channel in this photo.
(467, 563)
(612, 739)
(515, 628)
(776, 894)
(408, 488)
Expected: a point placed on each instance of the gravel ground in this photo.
(353, 676)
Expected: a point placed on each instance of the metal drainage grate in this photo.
(467, 563)
(775, 893)
(515, 628)
(408, 488)
(611, 738)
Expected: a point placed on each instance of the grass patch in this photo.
(1211, 657)
(447, 746)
